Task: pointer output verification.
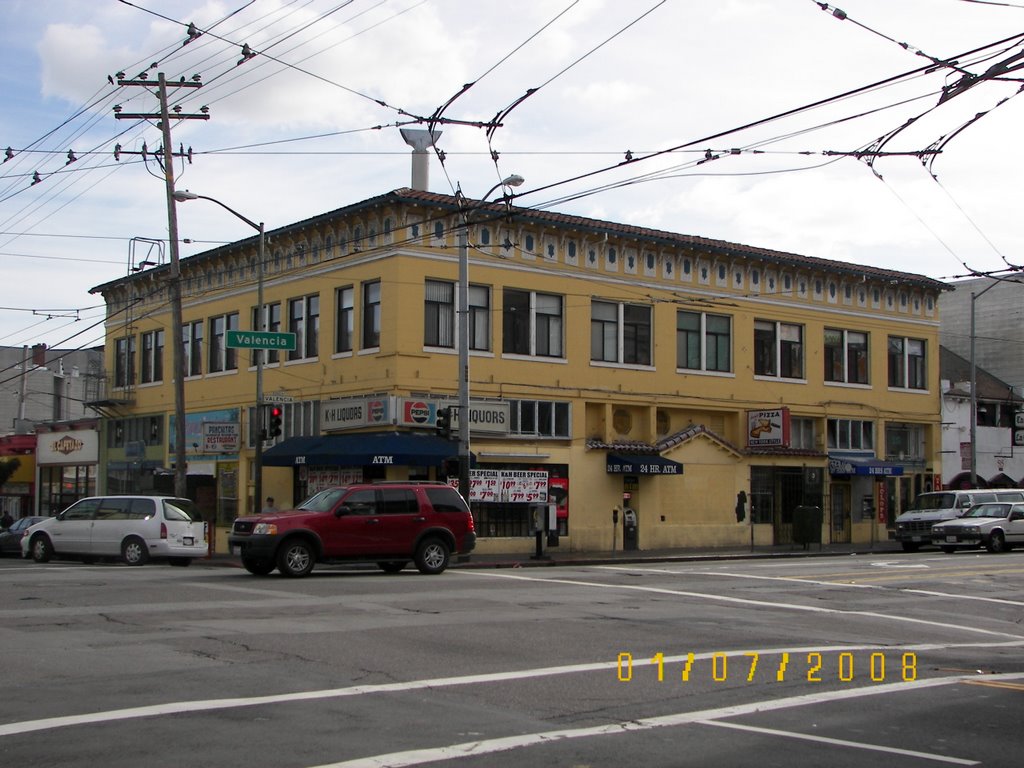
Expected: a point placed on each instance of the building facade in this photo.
(656, 389)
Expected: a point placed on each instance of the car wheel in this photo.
(392, 566)
(257, 567)
(432, 556)
(949, 550)
(910, 546)
(181, 562)
(996, 542)
(296, 558)
(134, 552)
(41, 549)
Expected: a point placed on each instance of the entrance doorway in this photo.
(840, 511)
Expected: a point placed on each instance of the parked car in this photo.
(10, 538)
(386, 523)
(914, 527)
(995, 525)
(133, 528)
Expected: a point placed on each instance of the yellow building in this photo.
(703, 390)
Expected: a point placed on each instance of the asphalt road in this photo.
(896, 660)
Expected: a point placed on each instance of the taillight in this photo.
(472, 525)
(163, 530)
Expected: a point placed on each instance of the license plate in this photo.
(235, 549)
(915, 538)
(951, 538)
(188, 541)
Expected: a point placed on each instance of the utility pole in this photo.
(177, 345)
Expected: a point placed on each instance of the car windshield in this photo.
(323, 501)
(929, 501)
(991, 509)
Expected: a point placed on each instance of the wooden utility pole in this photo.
(177, 343)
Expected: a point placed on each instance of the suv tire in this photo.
(432, 555)
(296, 558)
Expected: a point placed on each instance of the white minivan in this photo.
(133, 528)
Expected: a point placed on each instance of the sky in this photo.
(790, 125)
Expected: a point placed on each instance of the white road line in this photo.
(207, 705)
(841, 742)
(816, 582)
(509, 743)
(748, 601)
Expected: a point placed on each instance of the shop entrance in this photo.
(840, 513)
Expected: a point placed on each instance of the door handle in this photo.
(373, 521)
(419, 519)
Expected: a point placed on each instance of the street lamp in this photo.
(182, 196)
(464, 455)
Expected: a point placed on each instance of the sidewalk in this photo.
(553, 556)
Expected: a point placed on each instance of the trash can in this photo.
(807, 525)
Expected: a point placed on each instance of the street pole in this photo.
(256, 424)
(463, 332)
(261, 322)
(177, 324)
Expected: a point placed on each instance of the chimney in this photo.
(419, 141)
(39, 355)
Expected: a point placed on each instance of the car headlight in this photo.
(938, 529)
(972, 529)
(265, 529)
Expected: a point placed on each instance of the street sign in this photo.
(277, 397)
(260, 340)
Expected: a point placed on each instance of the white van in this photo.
(914, 527)
(133, 528)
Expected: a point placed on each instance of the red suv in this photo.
(390, 523)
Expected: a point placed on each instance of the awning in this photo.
(361, 450)
(642, 464)
(839, 464)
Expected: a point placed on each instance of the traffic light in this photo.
(444, 422)
(274, 424)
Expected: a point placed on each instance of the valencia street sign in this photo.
(260, 340)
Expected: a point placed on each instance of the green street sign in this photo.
(260, 340)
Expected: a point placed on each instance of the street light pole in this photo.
(463, 333)
(257, 463)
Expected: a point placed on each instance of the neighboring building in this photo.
(45, 392)
(695, 384)
(998, 325)
(999, 464)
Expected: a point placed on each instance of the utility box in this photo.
(807, 523)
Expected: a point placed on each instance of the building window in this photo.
(532, 323)
(479, 318)
(344, 319)
(371, 314)
(801, 434)
(124, 362)
(271, 322)
(850, 435)
(222, 357)
(439, 314)
(620, 333)
(152, 356)
(703, 342)
(778, 349)
(539, 418)
(192, 339)
(846, 356)
(907, 363)
(904, 442)
(304, 322)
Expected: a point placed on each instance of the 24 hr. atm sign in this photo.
(261, 340)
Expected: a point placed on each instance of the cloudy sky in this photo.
(742, 117)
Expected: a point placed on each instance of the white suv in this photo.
(133, 528)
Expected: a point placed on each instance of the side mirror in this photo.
(342, 509)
